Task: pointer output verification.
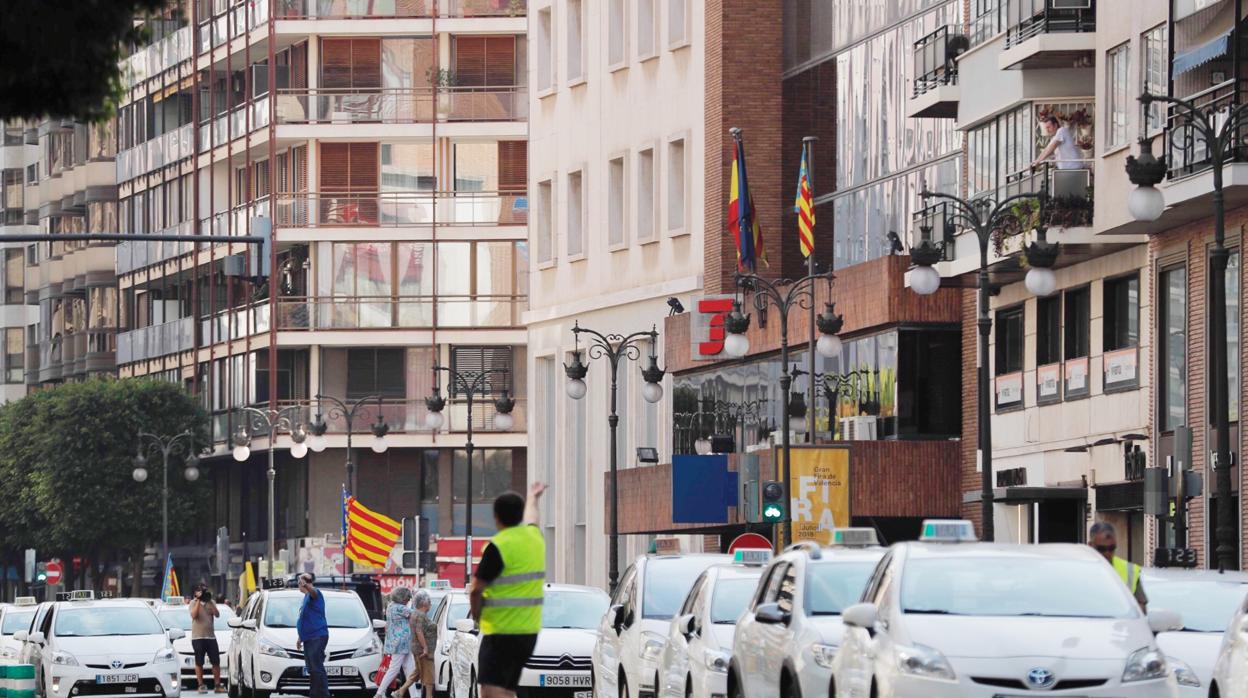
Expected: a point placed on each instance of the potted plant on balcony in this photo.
(441, 79)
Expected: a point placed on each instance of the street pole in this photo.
(984, 416)
(341, 410)
(270, 420)
(165, 445)
(808, 148)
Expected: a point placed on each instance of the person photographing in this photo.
(507, 592)
(204, 614)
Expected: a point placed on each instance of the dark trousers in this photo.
(314, 660)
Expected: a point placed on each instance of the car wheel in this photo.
(789, 687)
(624, 687)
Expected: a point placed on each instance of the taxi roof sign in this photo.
(667, 546)
(174, 601)
(751, 556)
(438, 584)
(948, 531)
(25, 601)
(82, 595)
(855, 537)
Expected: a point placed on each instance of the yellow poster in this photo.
(819, 492)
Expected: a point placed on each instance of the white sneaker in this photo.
(203, 688)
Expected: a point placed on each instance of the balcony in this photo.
(137, 255)
(399, 312)
(157, 58)
(238, 122)
(401, 105)
(936, 90)
(400, 209)
(353, 9)
(232, 21)
(1049, 34)
(235, 221)
(156, 341)
(235, 323)
(486, 8)
(162, 150)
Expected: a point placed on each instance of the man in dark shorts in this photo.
(204, 614)
(507, 591)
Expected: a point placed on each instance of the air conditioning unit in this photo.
(858, 428)
(1071, 4)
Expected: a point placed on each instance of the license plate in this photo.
(582, 694)
(116, 678)
(337, 671)
(566, 681)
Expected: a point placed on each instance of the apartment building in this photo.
(60, 307)
(385, 142)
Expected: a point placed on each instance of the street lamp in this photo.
(472, 384)
(984, 217)
(785, 295)
(1221, 132)
(182, 444)
(256, 419)
(614, 347)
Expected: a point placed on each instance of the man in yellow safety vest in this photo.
(507, 592)
(1103, 538)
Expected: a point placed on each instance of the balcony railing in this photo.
(392, 209)
(398, 312)
(132, 255)
(224, 128)
(235, 323)
(485, 8)
(156, 340)
(157, 58)
(934, 63)
(163, 150)
(352, 9)
(1029, 18)
(233, 22)
(401, 105)
(1188, 151)
(234, 221)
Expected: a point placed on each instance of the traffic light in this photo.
(41, 572)
(773, 502)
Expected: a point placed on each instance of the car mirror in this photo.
(1243, 625)
(37, 638)
(615, 618)
(249, 624)
(1164, 621)
(379, 625)
(688, 624)
(235, 622)
(465, 625)
(771, 614)
(21, 635)
(176, 633)
(861, 615)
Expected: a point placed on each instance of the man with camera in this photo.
(204, 614)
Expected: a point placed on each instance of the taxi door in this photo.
(749, 647)
(609, 646)
(39, 649)
(678, 660)
(859, 646)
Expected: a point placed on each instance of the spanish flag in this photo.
(370, 536)
(742, 222)
(804, 205)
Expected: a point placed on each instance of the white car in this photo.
(1206, 600)
(699, 640)
(633, 632)
(263, 658)
(560, 661)
(15, 617)
(101, 648)
(454, 608)
(178, 615)
(785, 642)
(968, 619)
(1230, 670)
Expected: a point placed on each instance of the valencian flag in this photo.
(804, 206)
(170, 588)
(370, 536)
(742, 222)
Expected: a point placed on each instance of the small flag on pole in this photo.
(170, 588)
(804, 206)
(370, 536)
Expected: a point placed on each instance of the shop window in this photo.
(1078, 322)
(1009, 341)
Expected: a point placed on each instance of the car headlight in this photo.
(653, 646)
(924, 662)
(8, 653)
(717, 661)
(1144, 664)
(165, 655)
(63, 659)
(1183, 672)
(365, 650)
(824, 654)
(272, 650)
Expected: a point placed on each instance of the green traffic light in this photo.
(42, 577)
(773, 513)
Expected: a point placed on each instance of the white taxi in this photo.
(15, 617)
(1230, 669)
(89, 647)
(948, 616)
(1206, 600)
(633, 632)
(559, 664)
(699, 640)
(176, 613)
(452, 609)
(263, 657)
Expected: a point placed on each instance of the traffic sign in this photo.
(749, 541)
(55, 570)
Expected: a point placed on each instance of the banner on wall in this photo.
(818, 491)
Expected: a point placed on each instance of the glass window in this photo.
(576, 40)
(429, 476)
(495, 269)
(617, 196)
(1155, 79)
(1009, 340)
(1232, 338)
(1117, 83)
(98, 622)
(454, 268)
(545, 52)
(15, 621)
(14, 355)
(341, 611)
(574, 609)
(476, 167)
(545, 224)
(730, 598)
(1078, 322)
(181, 618)
(676, 182)
(576, 214)
(647, 23)
(491, 474)
(928, 396)
(1172, 352)
(14, 276)
(831, 586)
(787, 590)
(1204, 605)
(375, 371)
(668, 581)
(616, 32)
(645, 195)
(1048, 330)
(1122, 312)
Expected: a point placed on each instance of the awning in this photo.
(1200, 55)
(1024, 494)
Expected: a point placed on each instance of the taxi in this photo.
(176, 613)
(949, 616)
(699, 641)
(15, 617)
(1230, 669)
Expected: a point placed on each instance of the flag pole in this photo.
(808, 144)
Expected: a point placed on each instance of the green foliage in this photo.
(68, 455)
(61, 58)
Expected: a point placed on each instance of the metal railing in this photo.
(235, 323)
(163, 150)
(398, 312)
(221, 129)
(1028, 18)
(389, 209)
(157, 58)
(233, 22)
(352, 9)
(485, 8)
(155, 341)
(933, 66)
(400, 105)
(1187, 150)
(132, 255)
(236, 220)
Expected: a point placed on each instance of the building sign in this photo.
(1077, 377)
(818, 492)
(1120, 367)
(707, 333)
(1010, 390)
(1049, 383)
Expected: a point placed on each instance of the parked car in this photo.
(175, 613)
(454, 607)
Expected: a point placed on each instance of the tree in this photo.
(61, 58)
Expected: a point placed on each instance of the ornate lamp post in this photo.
(182, 444)
(256, 419)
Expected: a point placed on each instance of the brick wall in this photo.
(809, 110)
(970, 401)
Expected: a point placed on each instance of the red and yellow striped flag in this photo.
(805, 208)
(370, 536)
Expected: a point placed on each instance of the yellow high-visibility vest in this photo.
(1129, 571)
(512, 603)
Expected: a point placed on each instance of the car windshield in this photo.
(341, 611)
(1206, 605)
(730, 599)
(831, 586)
(181, 618)
(1014, 585)
(15, 621)
(668, 581)
(97, 621)
(457, 611)
(573, 609)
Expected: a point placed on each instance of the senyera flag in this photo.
(370, 536)
(804, 206)
(742, 221)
